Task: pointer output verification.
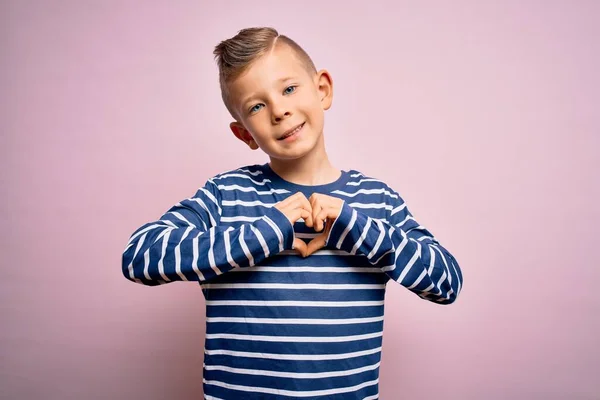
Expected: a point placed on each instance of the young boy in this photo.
(292, 256)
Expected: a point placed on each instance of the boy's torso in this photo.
(290, 324)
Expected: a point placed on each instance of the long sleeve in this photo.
(188, 243)
(406, 251)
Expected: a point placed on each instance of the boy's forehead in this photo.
(268, 71)
(273, 67)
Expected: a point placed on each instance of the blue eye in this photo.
(286, 91)
(253, 109)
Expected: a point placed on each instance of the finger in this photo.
(289, 200)
(301, 203)
(305, 214)
(299, 209)
(315, 244)
(318, 223)
(308, 207)
(300, 247)
(325, 214)
(298, 213)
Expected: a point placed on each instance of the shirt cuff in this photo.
(341, 227)
(282, 233)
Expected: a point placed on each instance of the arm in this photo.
(188, 244)
(406, 251)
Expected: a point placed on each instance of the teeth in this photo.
(294, 131)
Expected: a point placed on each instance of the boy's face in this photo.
(275, 95)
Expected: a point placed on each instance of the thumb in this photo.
(317, 243)
(300, 246)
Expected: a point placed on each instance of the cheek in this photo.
(260, 130)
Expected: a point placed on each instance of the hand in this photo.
(294, 207)
(325, 209)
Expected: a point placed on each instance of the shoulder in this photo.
(361, 180)
(369, 193)
(253, 172)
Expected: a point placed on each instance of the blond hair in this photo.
(235, 55)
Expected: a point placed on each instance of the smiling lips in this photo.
(291, 131)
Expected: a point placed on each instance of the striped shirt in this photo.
(280, 326)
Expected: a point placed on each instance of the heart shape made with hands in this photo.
(324, 211)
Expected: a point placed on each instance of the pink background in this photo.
(483, 115)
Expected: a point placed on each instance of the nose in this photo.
(280, 112)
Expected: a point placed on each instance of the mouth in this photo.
(292, 131)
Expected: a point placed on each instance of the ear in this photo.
(242, 133)
(324, 85)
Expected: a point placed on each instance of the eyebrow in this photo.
(281, 80)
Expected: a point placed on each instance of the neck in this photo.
(314, 168)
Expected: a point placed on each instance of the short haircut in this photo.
(235, 55)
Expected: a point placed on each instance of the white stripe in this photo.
(277, 231)
(367, 191)
(449, 274)
(370, 206)
(253, 173)
(291, 303)
(398, 251)
(294, 339)
(195, 256)
(425, 237)
(295, 321)
(252, 189)
(180, 217)
(211, 252)
(291, 393)
(207, 397)
(347, 229)
(227, 240)
(244, 247)
(424, 272)
(362, 236)
(178, 253)
(261, 239)
(439, 283)
(418, 280)
(454, 267)
(411, 262)
(137, 249)
(405, 220)
(428, 288)
(163, 232)
(211, 197)
(295, 375)
(233, 203)
(357, 183)
(292, 286)
(234, 175)
(169, 223)
(366, 270)
(239, 218)
(379, 239)
(146, 229)
(383, 255)
(320, 252)
(205, 207)
(161, 266)
(398, 209)
(293, 357)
